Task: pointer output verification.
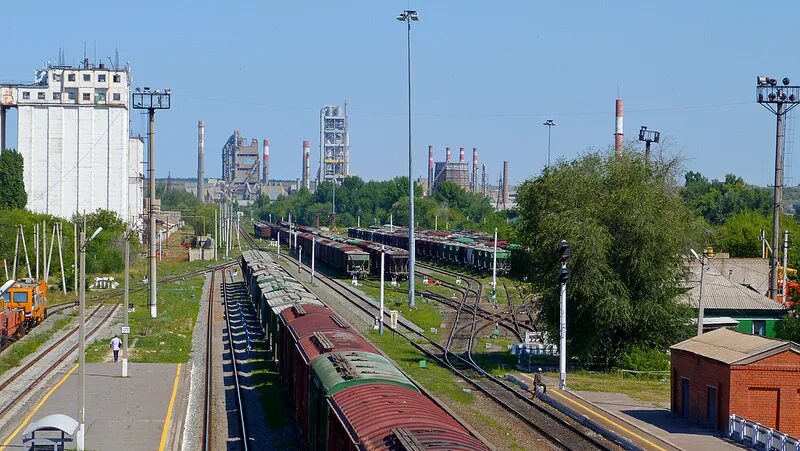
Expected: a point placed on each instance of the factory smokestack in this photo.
(483, 181)
(618, 130)
(307, 164)
(266, 162)
(201, 141)
(474, 170)
(447, 154)
(430, 169)
(505, 184)
(461, 156)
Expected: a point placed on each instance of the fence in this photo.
(757, 436)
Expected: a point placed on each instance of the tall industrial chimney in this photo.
(618, 132)
(201, 140)
(474, 170)
(307, 164)
(483, 181)
(430, 169)
(505, 184)
(461, 155)
(447, 154)
(265, 167)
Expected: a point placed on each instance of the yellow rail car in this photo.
(31, 296)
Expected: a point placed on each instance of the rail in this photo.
(758, 436)
(235, 368)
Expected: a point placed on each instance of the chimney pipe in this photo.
(307, 164)
(265, 167)
(618, 130)
(483, 181)
(447, 155)
(201, 140)
(461, 158)
(430, 169)
(474, 170)
(505, 184)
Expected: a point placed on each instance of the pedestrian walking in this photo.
(538, 386)
(115, 345)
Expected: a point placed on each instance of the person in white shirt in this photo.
(115, 345)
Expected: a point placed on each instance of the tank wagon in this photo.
(344, 394)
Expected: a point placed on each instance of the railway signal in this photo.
(564, 255)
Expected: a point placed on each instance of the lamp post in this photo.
(82, 339)
(779, 100)
(409, 16)
(700, 307)
(550, 124)
(564, 255)
(151, 100)
(380, 315)
(648, 136)
(125, 327)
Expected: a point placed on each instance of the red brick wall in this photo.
(702, 373)
(768, 391)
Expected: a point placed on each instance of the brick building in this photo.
(724, 372)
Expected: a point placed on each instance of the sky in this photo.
(485, 75)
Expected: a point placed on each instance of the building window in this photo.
(87, 77)
(40, 96)
(56, 77)
(71, 95)
(26, 95)
(70, 77)
(116, 78)
(760, 327)
(87, 96)
(56, 96)
(100, 97)
(101, 78)
(116, 97)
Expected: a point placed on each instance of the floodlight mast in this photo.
(648, 136)
(779, 100)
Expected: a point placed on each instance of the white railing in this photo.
(758, 436)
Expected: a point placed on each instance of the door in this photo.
(685, 397)
(711, 409)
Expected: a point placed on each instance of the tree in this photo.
(789, 327)
(628, 230)
(718, 200)
(12, 188)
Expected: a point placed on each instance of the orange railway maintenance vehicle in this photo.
(30, 296)
(11, 319)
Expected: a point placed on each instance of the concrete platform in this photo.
(121, 414)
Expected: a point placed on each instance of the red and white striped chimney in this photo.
(461, 156)
(447, 154)
(618, 134)
(265, 168)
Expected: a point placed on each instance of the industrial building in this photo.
(723, 372)
(73, 135)
(240, 167)
(449, 171)
(334, 147)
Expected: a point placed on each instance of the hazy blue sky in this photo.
(486, 75)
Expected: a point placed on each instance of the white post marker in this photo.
(279, 244)
(494, 264)
(313, 247)
(380, 327)
(700, 307)
(299, 257)
(391, 222)
(564, 255)
(785, 277)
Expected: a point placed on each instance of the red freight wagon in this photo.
(285, 340)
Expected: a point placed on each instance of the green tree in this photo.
(12, 188)
(789, 327)
(628, 230)
(718, 200)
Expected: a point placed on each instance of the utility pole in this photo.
(779, 100)
(380, 322)
(564, 255)
(550, 124)
(785, 290)
(152, 101)
(494, 264)
(700, 306)
(125, 326)
(313, 248)
(82, 339)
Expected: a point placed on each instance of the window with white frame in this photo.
(87, 77)
(56, 96)
(26, 95)
(40, 96)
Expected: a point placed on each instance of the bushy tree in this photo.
(12, 187)
(718, 200)
(628, 230)
(789, 327)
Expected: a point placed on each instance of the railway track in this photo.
(207, 410)
(61, 349)
(227, 296)
(561, 432)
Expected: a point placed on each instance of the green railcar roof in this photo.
(340, 370)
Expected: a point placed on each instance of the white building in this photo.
(73, 134)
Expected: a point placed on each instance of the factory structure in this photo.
(73, 135)
(459, 172)
(334, 144)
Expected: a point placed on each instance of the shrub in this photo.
(638, 359)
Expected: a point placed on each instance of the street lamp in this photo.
(780, 100)
(409, 16)
(700, 307)
(648, 136)
(550, 124)
(82, 339)
(151, 101)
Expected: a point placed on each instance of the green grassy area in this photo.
(168, 338)
(511, 441)
(496, 359)
(29, 344)
(646, 390)
(433, 377)
(426, 314)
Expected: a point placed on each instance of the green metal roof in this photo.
(339, 370)
(464, 240)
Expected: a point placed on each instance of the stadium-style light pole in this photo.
(409, 16)
(550, 124)
(151, 100)
(780, 100)
(648, 136)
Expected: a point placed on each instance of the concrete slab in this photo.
(121, 414)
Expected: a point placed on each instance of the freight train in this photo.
(344, 394)
(458, 249)
(23, 305)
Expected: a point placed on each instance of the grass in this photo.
(496, 359)
(166, 339)
(426, 314)
(433, 377)
(510, 436)
(29, 344)
(645, 390)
